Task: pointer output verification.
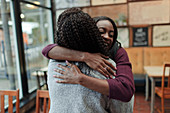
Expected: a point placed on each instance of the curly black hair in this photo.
(78, 31)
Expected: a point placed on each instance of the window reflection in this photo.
(36, 34)
(8, 70)
(8, 74)
(39, 2)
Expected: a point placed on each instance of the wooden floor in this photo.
(142, 106)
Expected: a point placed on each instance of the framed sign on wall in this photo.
(161, 35)
(105, 2)
(149, 12)
(140, 36)
(123, 37)
(71, 3)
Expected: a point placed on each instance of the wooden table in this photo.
(41, 72)
(44, 70)
(154, 73)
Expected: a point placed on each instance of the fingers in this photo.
(61, 66)
(69, 64)
(64, 82)
(101, 71)
(110, 65)
(59, 76)
(104, 71)
(61, 81)
(59, 71)
(110, 71)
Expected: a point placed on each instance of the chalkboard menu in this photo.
(140, 36)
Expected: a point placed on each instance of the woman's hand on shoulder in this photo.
(69, 74)
(98, 62)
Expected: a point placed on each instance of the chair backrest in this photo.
(45, 95)
(10, 94)
(166, 68)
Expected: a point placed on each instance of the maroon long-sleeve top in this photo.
(122, 87)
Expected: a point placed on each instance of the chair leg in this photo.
(162, 103)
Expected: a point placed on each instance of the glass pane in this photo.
(58, 12)
(8, 68)
(71, 3)
(37, 30)
(45, 3)
(8, 73)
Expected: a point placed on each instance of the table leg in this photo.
(152, 94)
(146, 87)
(38, 80)
(45, 75)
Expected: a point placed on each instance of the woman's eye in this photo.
(111, 36)
(101, 32)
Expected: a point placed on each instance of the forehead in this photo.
(105, 24)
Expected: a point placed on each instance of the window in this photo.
(36, 32)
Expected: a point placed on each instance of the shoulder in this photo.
(121, 55)
(53, 64)
(121, 52)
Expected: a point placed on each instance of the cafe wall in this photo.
(143, 25)
(140, 17)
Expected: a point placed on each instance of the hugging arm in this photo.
(94, 60)
(71, 74)
(121, 88)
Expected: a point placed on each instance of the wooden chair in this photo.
(164, 92)
(41, 74)
(10, 94)
(45, 95)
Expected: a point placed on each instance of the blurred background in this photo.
(26, 26)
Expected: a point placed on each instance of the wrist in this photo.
(81, 78)
(84, 56)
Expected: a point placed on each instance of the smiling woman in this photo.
(107, 31)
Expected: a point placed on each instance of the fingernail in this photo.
(58, 65)
(53, 75)
(58, 81)
(115, 68)
(66, 61)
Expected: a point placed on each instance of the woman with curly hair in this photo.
(84, 90)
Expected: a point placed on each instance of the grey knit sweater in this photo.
(74, 98)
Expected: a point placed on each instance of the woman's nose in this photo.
(106, 36)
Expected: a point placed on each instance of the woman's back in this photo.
(74, 98)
